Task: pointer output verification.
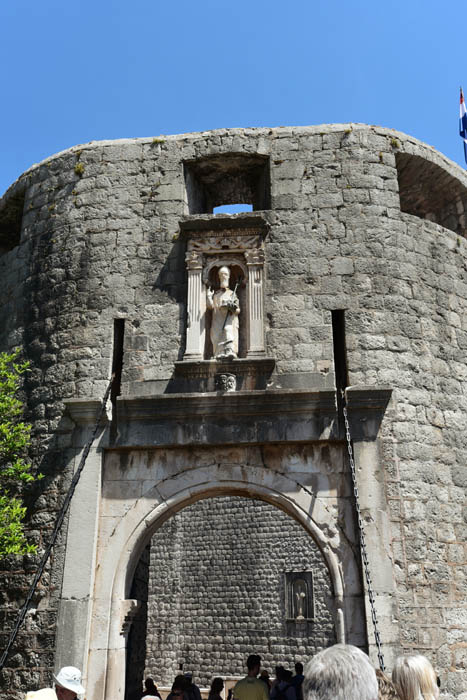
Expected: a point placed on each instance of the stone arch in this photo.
(224, 259)
(124, 536)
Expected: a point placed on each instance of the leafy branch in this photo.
(15, 470)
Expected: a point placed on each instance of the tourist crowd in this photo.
(340, 672)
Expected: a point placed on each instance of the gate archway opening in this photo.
(216, 582)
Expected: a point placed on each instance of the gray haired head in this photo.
(341, 672)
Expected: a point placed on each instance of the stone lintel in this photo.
(241, 417)
(220, 222)
(232, 406)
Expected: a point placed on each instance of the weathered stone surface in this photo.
(221, 595)
(102, 241)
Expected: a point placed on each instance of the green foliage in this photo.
(14, 469)
(12, 538)
(79, 169)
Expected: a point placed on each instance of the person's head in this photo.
(253, 664)
(68, 683)
(341, 672)
(281, 673)
(44, 694)
(264, 674)
(386, 691)
(414, 678)
(179, 686)
(150, 685)
(224, 276)
(188, 676)
(287, 675)
(216, 686)
(299, 668)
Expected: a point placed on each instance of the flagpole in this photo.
(463, 122)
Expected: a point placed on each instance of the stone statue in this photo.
(224, 322)
(299, 589)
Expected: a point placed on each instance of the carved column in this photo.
(255, 341)
(196, 307)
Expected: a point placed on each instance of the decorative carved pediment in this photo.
(231, 240)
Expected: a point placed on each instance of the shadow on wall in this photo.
(171, 285)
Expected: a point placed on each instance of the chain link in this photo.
(361, 530)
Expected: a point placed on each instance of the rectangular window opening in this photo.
(340, 355)
(11, 218)
(117, 358)
(220, 183)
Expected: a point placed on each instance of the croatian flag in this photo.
(463, 124)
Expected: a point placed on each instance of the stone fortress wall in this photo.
(361, 219)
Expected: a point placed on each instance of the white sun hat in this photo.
(44, 694)
(69, 677)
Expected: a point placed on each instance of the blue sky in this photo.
(78, 71)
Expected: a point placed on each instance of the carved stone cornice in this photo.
(366, 407)
(226, 241)
(85, 411)
(241, 417)
(365, 398)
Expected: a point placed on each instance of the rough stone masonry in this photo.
(352, 274)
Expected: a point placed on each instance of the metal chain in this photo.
(56, 530)
(361, 530)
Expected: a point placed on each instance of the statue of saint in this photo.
(224, 321)
(299, 591)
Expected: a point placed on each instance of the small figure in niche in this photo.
(224, 323)
(300, 593)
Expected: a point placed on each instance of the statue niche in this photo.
(224, 305)
(225, 295)
(299, 596)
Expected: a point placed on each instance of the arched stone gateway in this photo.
(144, 486)
(132, 529)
